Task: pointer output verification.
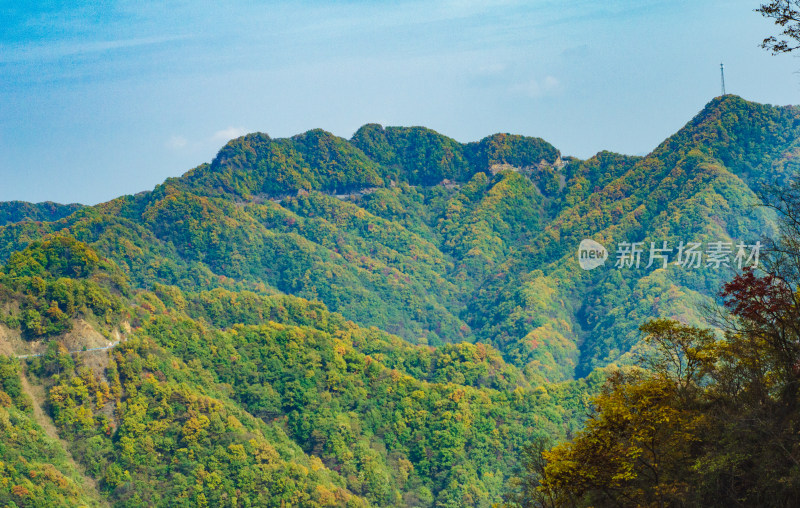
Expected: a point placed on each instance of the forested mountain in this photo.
(386, 320)
(17, 211)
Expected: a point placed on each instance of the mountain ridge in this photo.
(558, 194)
(391, 318)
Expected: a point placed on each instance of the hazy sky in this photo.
(99, 100)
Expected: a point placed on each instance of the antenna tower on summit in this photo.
(722, 77)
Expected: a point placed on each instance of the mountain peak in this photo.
(256, 164)
(740, 134)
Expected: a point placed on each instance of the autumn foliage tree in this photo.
(786, 14)
(707, 419)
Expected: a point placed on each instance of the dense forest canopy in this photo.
(705, 418)
(388, 320)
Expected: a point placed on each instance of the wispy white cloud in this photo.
(229, 133)
(193, 143)
(54, 49)
(177, 142)
(538, 88)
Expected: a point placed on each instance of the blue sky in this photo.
(99, 100)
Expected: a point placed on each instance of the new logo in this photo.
(591, 254)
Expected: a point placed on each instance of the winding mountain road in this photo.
(110, 345)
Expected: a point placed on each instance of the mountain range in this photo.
(386, 320)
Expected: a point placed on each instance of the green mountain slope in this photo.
(18, 211)
(384, 320)
(35, 469)
(231, 398)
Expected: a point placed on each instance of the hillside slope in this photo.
(384, 320)
(437, 241)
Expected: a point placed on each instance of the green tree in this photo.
(785, 14)
(705, 420)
